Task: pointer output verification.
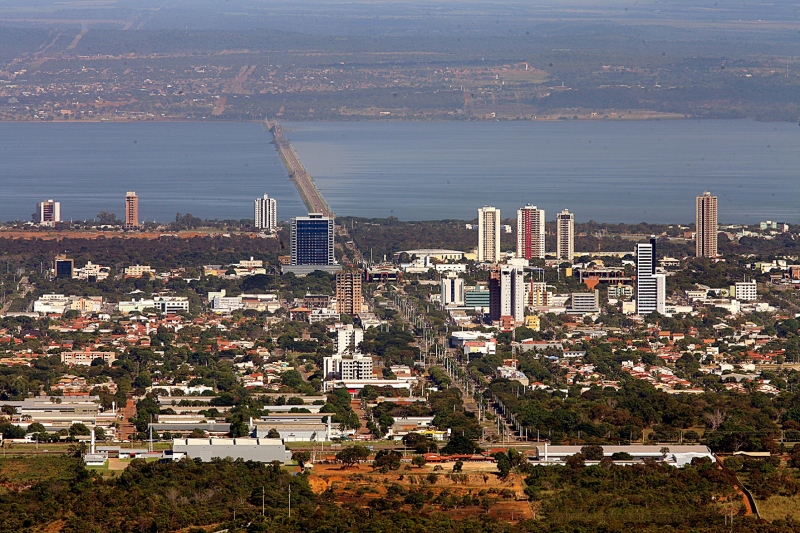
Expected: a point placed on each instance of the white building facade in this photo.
(512, 293)
(266, 213)
(565, 235)
(453, 291)
(488, 234)
(650, 287)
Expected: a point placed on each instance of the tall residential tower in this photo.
(650, 287)
(131, 210)
(488, 234)
(565, 235)
(349, 298)
(530, 232)
(266, 212)
(706, 218)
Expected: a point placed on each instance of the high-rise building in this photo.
(530, 232)
(266, 212)
(512, 293)
(131, 210)
(650, 287)
(495, 309)
(312, 240)
(453, 291)
(706, 218)
(349, 298)
(63, 267)
(48, 213)
(565, 235)
(488, 234)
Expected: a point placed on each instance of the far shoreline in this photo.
(633, 117)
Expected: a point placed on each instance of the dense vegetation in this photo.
(188, 496)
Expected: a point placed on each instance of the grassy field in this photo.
(779, 507)
(16, 471)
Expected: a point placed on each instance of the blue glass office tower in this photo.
(312, 240)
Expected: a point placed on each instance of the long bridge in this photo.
(297, 172)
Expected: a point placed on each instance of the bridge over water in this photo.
(315, 202)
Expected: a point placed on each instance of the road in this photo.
(297, 172)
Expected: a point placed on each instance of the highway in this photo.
(297, 172)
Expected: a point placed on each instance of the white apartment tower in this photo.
(565, 235)
(650, 287)
(348, 337)
(488, 234)
(512, 293)
(530, 232)
(266, 212)
(706, 222)
(453, 291)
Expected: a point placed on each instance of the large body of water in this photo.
(647, 171)
(211, 170)
(603, 171)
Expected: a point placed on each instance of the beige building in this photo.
(488, 234)
(706, 218)
(565, 235)
(137, 271)
(131, 210)
(86, 357)
(349, 299)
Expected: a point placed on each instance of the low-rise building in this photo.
(86, 357)
(247, 449)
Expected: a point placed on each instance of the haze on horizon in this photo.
(403, 17)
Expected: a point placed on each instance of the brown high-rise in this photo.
(131, 210)
(348, 292)
(706, 219)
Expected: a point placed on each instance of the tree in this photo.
(459, 444)
(503, 464)
(420, 443)
(352, 455)
(621, 456)
(104, 218)
(576, 461)
(386, 460)
(240, 429)
(143, 380)
(273, 434)
(419, 461)
(36, 427)
(292, 378)
(458, 466)
(301, 457)
(79, 429)
(592, 452)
